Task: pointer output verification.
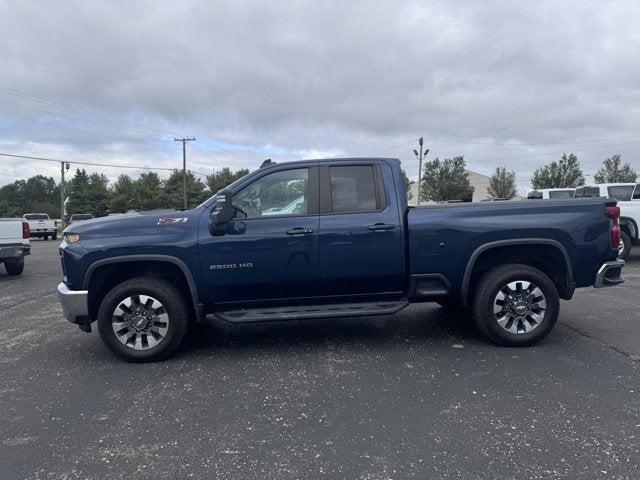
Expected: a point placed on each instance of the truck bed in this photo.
(443, 238)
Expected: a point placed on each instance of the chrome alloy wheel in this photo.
(519, 307)
(140, 322)
(621, 247)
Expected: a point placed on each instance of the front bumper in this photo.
(609, 274)
(75, 306)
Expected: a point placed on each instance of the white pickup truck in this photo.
(41, 225)
(628, 196)
(14, 244)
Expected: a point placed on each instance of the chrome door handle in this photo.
(300, 231)
(381, 226)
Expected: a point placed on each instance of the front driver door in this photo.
(270, 250)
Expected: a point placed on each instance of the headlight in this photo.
(72, 237)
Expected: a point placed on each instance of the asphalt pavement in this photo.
(415, 395)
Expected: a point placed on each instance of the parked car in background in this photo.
(14, 244)
(41, 225)
(80, 217)
(628, 197)
(350, 246)
(550, 193)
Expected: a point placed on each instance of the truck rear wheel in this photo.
(143, 319)
(625, 245)
(515, 305)
(14, 266)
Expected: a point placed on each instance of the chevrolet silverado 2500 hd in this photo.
(332, 238)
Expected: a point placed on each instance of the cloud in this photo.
(286, 80)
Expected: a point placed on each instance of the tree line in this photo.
(92, 193)
(448, 179)
(442, 180)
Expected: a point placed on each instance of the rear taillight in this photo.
(26, 232)
(614, 214)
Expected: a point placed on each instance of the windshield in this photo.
(36, 216)
(535, 195)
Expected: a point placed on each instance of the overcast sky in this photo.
(291, 80)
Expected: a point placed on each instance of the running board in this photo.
(300, 312)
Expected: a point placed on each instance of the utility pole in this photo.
(421, 157)
(63, 166)
(184, 167)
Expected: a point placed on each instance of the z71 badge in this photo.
(169, 221)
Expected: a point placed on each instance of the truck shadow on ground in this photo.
(419, 324)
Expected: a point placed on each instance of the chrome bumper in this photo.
(74, 304)
(609, 274)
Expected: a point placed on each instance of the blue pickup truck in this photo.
(332, 238)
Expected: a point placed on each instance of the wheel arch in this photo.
(102, 269)
(564, 283)
(631, 227)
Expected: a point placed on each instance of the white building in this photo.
(479, 183)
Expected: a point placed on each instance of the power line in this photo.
(81, 130)
(19, 93)
(58, 114)
(504, 144)
(515, 157)
(95, 164)
(393, 148)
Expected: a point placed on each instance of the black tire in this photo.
(14, 266)
(54, 236)
(170, 297)
(45, 237)
(485, 294)
(625, 243)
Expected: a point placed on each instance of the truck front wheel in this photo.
(143, 319)
(515, 305)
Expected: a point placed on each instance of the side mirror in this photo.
(222, 214)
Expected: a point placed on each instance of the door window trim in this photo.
(326, 204)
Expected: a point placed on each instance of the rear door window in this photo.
(353, 189)
(622, 192)
(636, 194)
(561, 194)
(535, 195)
(592, 192)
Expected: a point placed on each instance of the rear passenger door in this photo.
(360, 233)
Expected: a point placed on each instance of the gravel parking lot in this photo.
(415, 395)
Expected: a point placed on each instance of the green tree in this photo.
(222, 178)
(565, 173)
(88, 194)
(13, 197)
(613, 171)
(77, 193)
(149, 193)
(123, 195)
(407, 184)
(502, 184)
(97, 195)
(173, 189)
(445, 180)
